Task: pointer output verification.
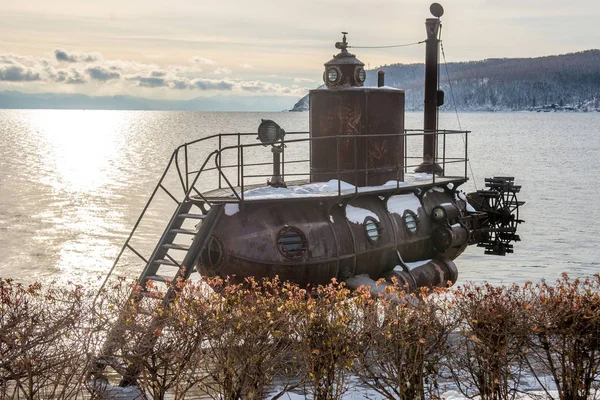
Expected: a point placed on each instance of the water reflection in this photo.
(82, 147)
(73, 183)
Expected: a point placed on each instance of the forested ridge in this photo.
(564, 82)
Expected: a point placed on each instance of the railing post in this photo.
(466, 153)
(242, 173)
(405, 152)
(283, 159)
(399, 170)
(187, 183)
(220, 161)
(238, 158)
(444, 154)
(337, 161)
(354, 137)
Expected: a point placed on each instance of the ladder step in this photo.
(165, 262)
(183, 231)
(159, 278)
(192, 216)
(175, 246)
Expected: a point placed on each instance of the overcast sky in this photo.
(182, 48)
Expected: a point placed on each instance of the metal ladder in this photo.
(162, 262)
(170, 262)
(165, 266)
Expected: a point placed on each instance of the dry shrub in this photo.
(180, 343)
(43, 347)
(115, 335)
(264, 339)
(327, 325)
(565, 323)
(155, 351)
(148, 344)
(246, 342)
(486, 359)
(403, 343)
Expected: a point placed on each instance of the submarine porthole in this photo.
(372, 229)
(410, 221)
(292, 242)
(333, 75)
(361, 75)
(212, 256)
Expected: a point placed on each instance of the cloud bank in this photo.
(91, 68)
(73, 57)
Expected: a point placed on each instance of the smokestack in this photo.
(432, 25)
(380, 78)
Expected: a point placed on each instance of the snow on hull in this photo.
(326, 189)
(463, 197)
(357, 215)
(400, 203)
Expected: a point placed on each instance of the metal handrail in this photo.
(339, 171)
(137, 223)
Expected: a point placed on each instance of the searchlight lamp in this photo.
(270, 133)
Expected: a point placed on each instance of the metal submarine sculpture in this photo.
(356, 196)
(364, 202)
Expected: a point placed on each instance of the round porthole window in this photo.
(372, 229)
(361, 74)
(212, 255)
(292, 242)
(410, 221)
(333, 75)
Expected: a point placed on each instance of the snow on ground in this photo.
(108, 391)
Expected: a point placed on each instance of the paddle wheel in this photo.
(497, 226)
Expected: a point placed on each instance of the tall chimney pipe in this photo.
(432, 26)
(380, 78)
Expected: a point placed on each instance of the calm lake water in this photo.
(72, 184)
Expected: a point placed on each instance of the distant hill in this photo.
(17, 100)
(564, 82)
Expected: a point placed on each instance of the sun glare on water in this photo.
(80, 153)
(82, 146)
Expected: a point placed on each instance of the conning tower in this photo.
(342, 112)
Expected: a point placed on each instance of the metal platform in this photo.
(253, 193)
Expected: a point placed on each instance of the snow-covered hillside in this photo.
(569, 82)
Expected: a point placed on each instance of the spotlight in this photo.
(436, 10)
(269, 132)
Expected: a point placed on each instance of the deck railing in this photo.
(240, 163)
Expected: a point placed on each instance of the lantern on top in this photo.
(344, 69)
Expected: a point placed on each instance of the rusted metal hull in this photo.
(337, 244)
